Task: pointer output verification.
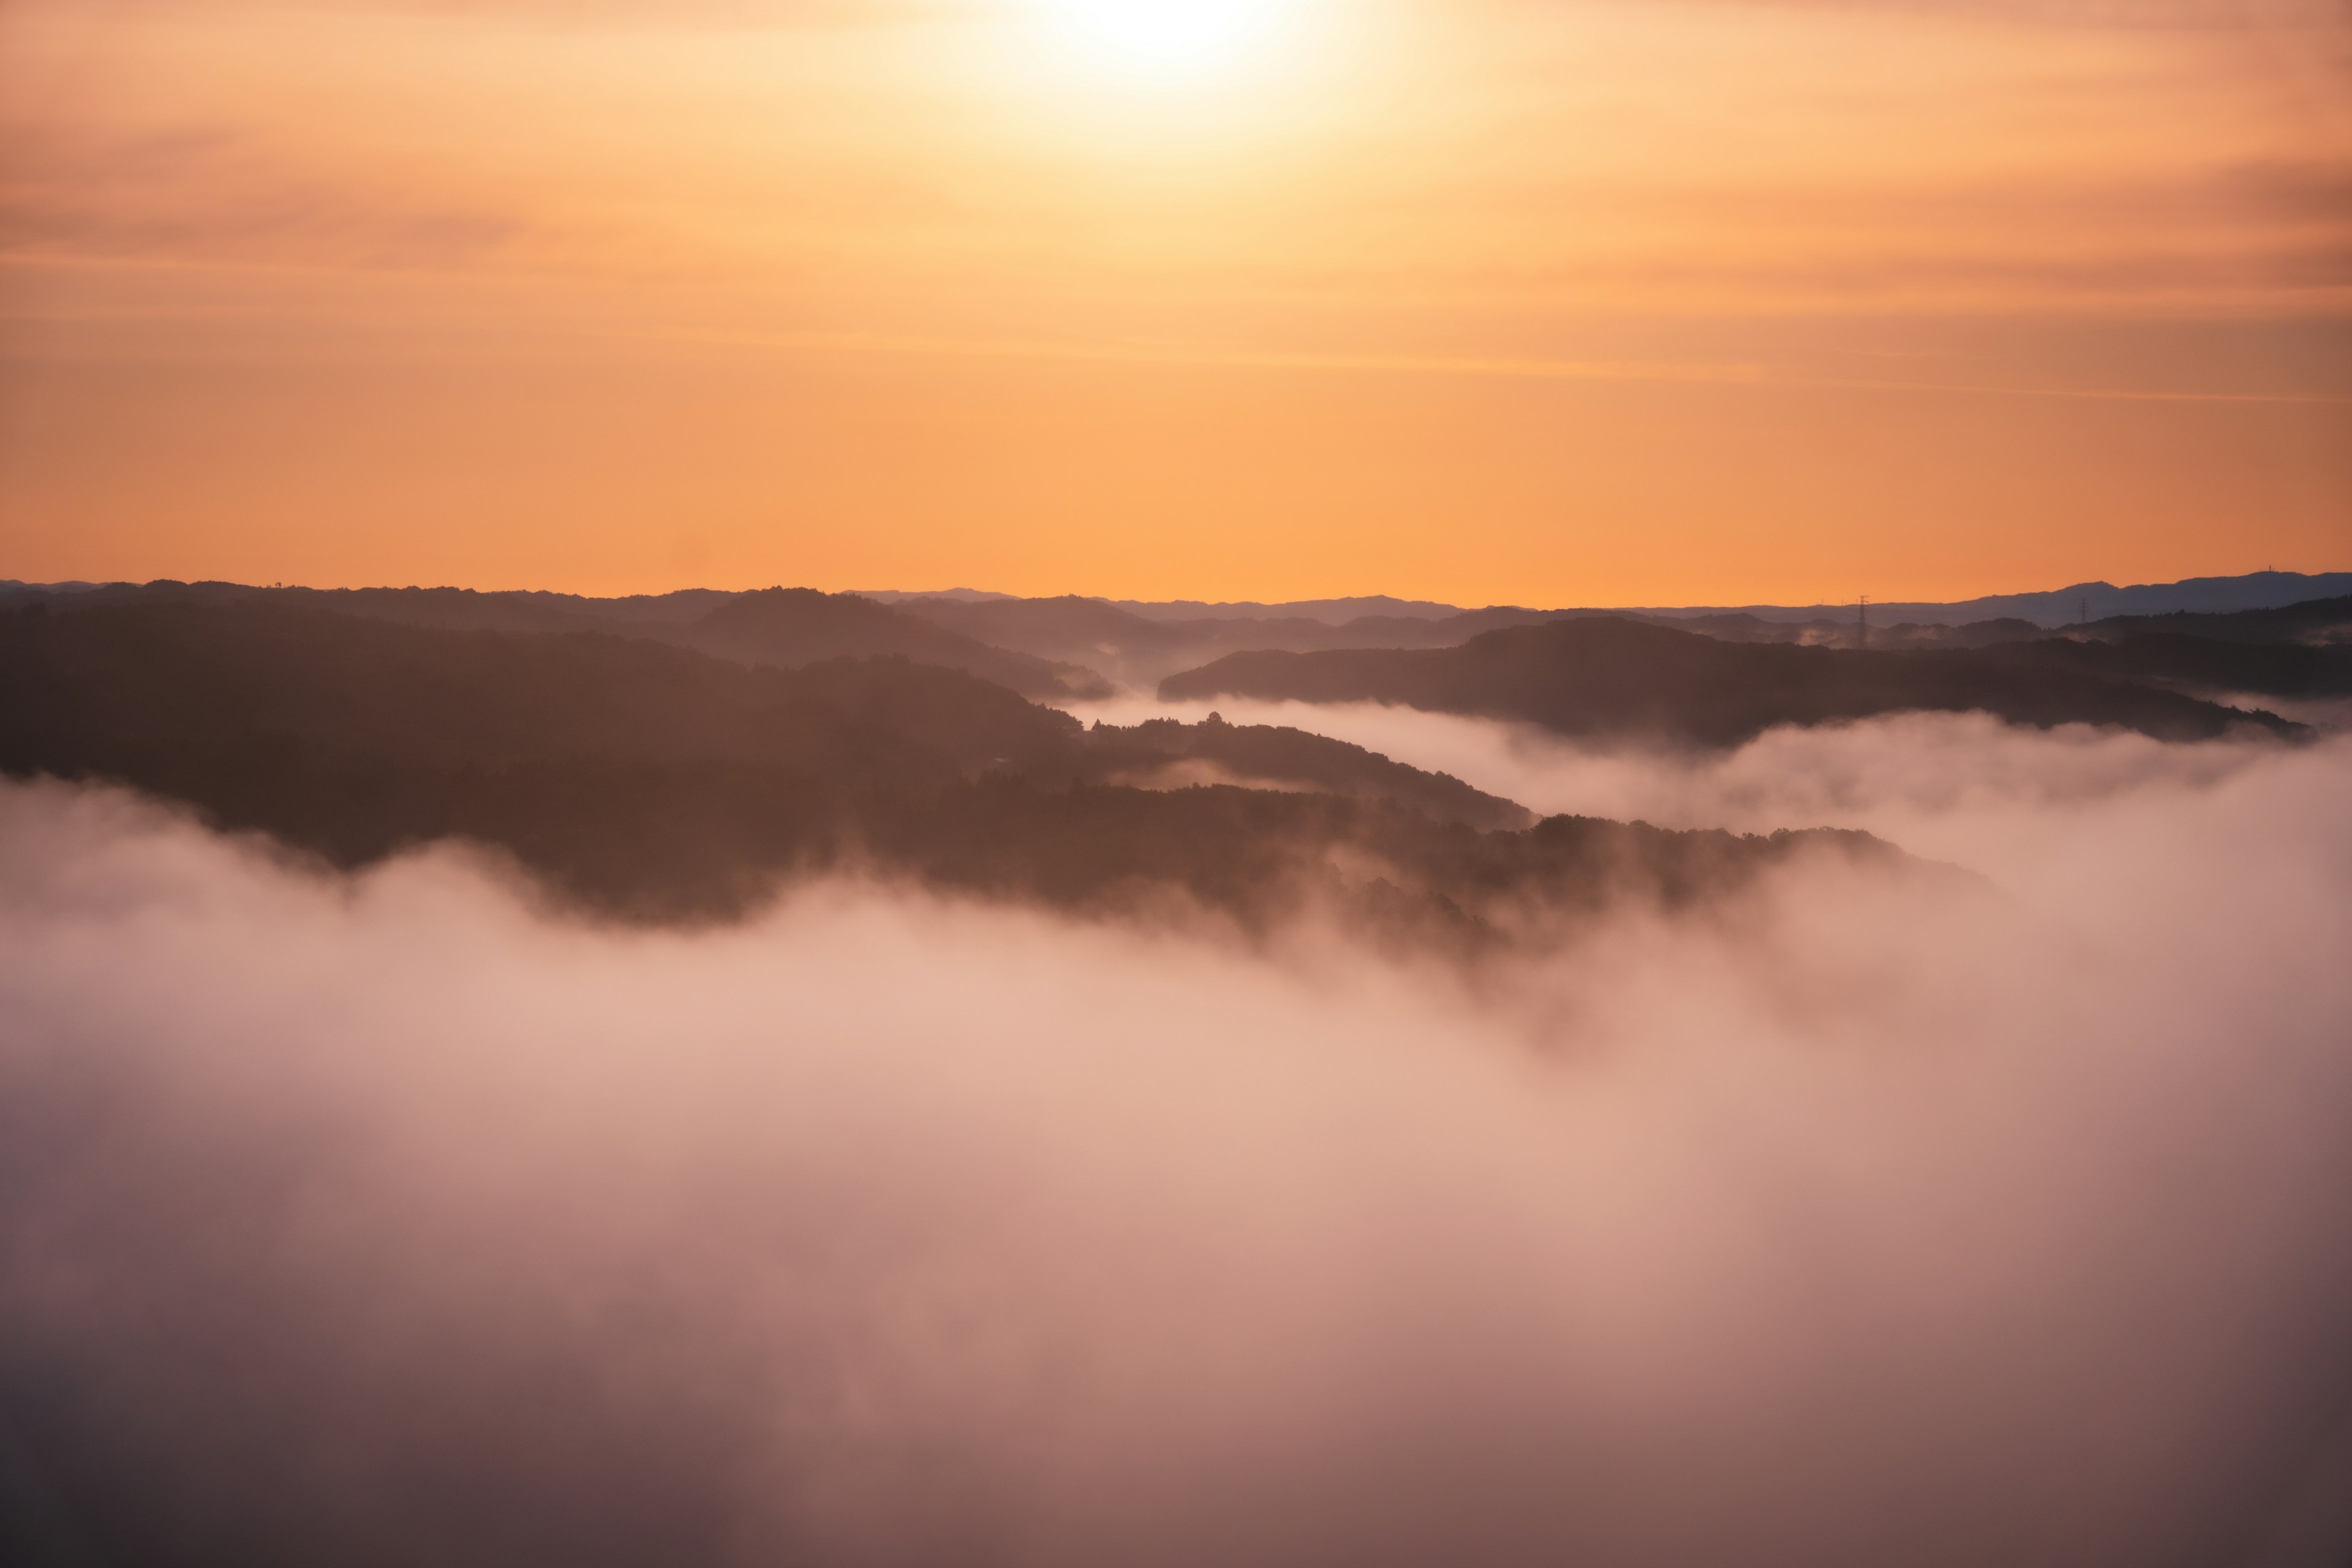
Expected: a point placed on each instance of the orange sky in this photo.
(1526, 301)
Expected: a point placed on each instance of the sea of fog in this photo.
(1890, 1220)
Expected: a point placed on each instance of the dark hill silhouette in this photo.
(1052, 649)
(452, 609)
(1036, 626)
(1610, 677)
(1265, 754)
(1849, 630)
(1141, 649)
(2055, 607)
(2317, 621)
(2045, 610)
(2274, 668)
(2297, 650)
(655, 784)
(1332, 612)
(89, 684)
(783, 626)
(792, 626)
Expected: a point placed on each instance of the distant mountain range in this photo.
(1138, 645)
(2049, 609)
(1332, 612)
(2081, 602)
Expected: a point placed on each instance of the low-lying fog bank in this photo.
(387, 1222)
(1953, 786)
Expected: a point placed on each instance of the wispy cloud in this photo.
(1204, 357)
(219, 192)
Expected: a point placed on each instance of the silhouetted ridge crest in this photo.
(655, 783)
(1273, 754)
(783, 626)
(792, 626)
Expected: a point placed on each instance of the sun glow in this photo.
(1166, 37)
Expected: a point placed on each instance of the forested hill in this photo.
(2313, 622)
(2199, 664)
(792, 627)
(786, 627)
(1604, 675)
(653, 783)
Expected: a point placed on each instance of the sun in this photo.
(1165, 37)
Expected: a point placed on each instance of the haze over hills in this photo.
(1070, 645)
(1061, 650)
(655, 783)
(521, 610)
(1137, 651)
(1140, 644)
(2082, 601)
(785, 627)
(682, 759)
(793, 626)
(1331, 611)
(2048, 608)
(1602, 676)
(2194, 661)
(2132, 671)
(1164, 753)
(2315, 622)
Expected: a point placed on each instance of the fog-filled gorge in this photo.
(1858, 1220)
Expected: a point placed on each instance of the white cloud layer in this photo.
(1865, 1223)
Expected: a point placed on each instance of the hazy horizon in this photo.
(699, 586)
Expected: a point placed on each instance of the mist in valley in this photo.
(1959, 788)
(1854, 1219)
(1175, 783)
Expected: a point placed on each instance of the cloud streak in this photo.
(1505, 368)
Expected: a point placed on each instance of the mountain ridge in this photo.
(1605, 677)
(650, 784)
